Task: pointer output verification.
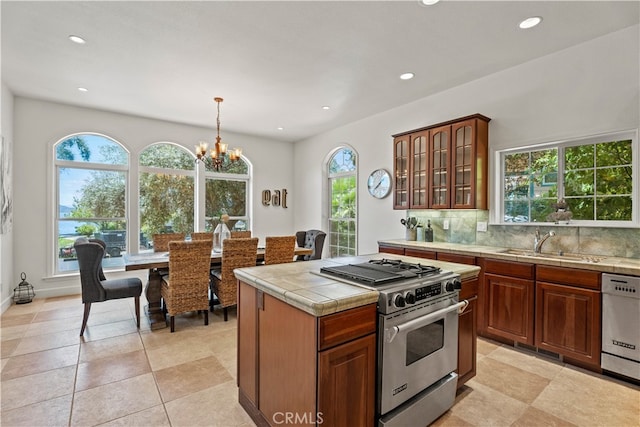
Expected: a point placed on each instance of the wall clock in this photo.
(379, 183)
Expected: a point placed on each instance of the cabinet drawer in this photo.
(347, 325)
(522, 270)
(391, 249)
(419, 253)
(460, 259)
(469, 289)
(587, 279)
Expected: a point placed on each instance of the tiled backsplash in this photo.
(618, 242)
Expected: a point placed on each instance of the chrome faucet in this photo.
(538, 241)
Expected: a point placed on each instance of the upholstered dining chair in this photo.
(279, 249)
(246, 234)
(95, 286)
(186, 288)
(161, 241)
(313, 239)
(236, 253)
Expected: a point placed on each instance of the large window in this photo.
(342, 203)
(91, 192)
(594, 176)
(167, 174)
(227, 192)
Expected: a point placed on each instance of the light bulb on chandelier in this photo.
(218, 153)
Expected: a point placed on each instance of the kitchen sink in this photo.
(559, 256)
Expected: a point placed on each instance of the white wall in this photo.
(589, 89)
(7, 279)
(39, 124)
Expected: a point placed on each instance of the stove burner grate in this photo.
(395, 264)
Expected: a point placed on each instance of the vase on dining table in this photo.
(219, 235)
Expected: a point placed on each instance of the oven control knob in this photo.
(453, 285)
(398, 301)
(410, 298)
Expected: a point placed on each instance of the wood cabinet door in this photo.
(347, 383)
(439, 164)
(510, 304)
(419, 170)
(401, 172)
(287, 360)
(568, 321)
(247, 357)
(463, 158)
(467, 342)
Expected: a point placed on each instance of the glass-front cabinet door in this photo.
(463, 165)
(401, 169)
(419, 172)
(439, 157)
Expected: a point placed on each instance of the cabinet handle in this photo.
(260, 300)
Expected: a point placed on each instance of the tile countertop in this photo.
(299, 285)
(605, 264)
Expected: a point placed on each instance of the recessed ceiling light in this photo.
(77, 39)
(326, 107)
(280, 128)
(407, 76)
(83, 89)
(530, 22)
(428, 2)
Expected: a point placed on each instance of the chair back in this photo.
(279, 249)
(203, 236)
(313, 239)
(246, 234)
(161, 241)
(236, 253)
(90, 256)
(189, 264)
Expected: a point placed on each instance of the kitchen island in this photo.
(307, 343)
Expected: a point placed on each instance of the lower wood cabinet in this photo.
(509, 293)
(390, 249)
(568, 314)
(299, 369)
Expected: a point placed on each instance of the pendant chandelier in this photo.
(219, 152)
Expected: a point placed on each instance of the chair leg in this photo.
(173, 324)
(137, 311)
(206, 317)
(85, 317)
(224, 311)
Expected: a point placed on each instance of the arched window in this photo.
(166, 198)
(227, 191)
(91, 197)
(342, 172)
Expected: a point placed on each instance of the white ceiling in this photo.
(277, 63)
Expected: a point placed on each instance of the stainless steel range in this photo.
(417, 337)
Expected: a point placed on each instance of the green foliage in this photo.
(64, 150)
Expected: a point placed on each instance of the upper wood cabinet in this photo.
(443, 166)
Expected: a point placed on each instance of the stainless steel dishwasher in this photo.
(620, 325)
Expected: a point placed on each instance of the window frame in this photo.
(497, 214)
(330, 177)
(56, 165)
(222, 176)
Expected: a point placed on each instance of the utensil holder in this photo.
(411, 234)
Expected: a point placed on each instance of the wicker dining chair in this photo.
(203, 236)
(186, 288)
(236, 253)
(279, 249)
(246, 234)
(161, 241)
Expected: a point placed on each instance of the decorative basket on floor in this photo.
(24, 292)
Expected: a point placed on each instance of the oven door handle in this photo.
(390, 333)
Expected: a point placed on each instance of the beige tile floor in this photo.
(118, 376)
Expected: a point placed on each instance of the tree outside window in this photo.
(343, 212)
(594, 176)
(166, 201)
(227, 191)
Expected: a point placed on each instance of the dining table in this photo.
(155, 262)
